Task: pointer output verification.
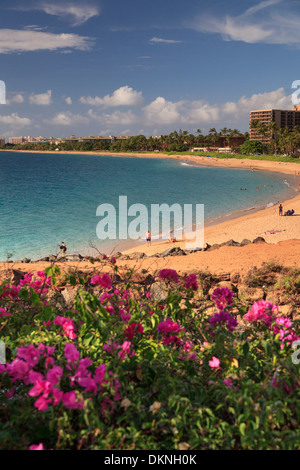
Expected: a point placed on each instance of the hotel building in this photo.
(282, 118)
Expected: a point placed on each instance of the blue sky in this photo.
(127, 67)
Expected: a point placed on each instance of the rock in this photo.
(69, 294)
(235, 278)
(245, 242)
(26, 260)
(159, 291)
(45, 259)
(222, 277)
(140, 277)
(230, 243)
(174, 251)
(251, 294)
(74, 257)
(259, 240)
(137, 255)
(124, 257)
(213, 247)
(17, 276)
(52, 258)
(207, 246)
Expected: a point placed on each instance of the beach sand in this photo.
(283, 246)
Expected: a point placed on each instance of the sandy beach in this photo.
(281, 233)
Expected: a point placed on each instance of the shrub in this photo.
(120, 370)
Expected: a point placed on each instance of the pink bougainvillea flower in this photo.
(71, 353)
(54, 375)
(191, 282)
(110, 346)
(214, 363)
(37, 447)
(168, 275)
(104, 281)
(228, 382)
(67, 325)
(224, 318)
(132, 329)
(69, 400)
(100, 374)
(222, 297)
(126, 350)
(262, 311)
(4, 313)
(169, 326)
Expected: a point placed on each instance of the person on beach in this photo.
(172, 238)
(280, 209)
(63, 248)
(148, 238)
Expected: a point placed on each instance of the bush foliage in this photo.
(119, 370)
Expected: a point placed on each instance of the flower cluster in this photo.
(222, 297)
(168, 275)
(170, 330)
(266, 313)
(191, 282)
(223, 318)
(262, 311)
(45, 382)
(67, 325)
(103, 281)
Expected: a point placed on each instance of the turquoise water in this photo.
(49, 198)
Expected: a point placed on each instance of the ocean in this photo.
(49, 198)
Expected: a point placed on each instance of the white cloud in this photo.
(13, 40)
(15, 121)
(270, 22)
(17, 98)
(117, 118)
(123, 96)
(67, 119)
(164, 41)
(162, 111)
(68, 100)
(77, 13)
(276, 99)
(41, 99)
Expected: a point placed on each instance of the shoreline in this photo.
(233, 163)
(238, 226)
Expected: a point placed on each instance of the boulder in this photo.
(69, 294)
(140, 277)
(259, 240)
(137, 255)
(213, 247)
(26, 260)
(230, 243)
(245, 242)
(235, 278)
(17, 276)
(251, 294)
(159, 291)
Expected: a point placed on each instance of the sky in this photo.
(129, 67)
